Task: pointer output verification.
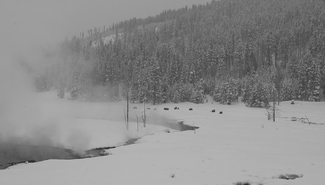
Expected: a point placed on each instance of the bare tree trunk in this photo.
(144, 113)
(274, 110)
(278, 96)
(137, 123)
(274, 100)
(127, 109)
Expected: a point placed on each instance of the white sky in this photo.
(29, 23)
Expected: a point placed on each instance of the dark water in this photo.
(15, 154)
(184, 127)
(12, 154)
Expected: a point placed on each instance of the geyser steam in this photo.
(23, 121)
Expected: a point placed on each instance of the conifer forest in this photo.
(257, 51)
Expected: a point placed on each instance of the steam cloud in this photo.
(23, 121)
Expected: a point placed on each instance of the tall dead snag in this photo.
(277, 81)
(273, 108)
(144, 117)
(127, 108)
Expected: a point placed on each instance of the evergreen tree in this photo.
(309, 79)
(255, 93)
(226, 92)
(289, 89)
(154, 83)
(61, 89)
(74, 90)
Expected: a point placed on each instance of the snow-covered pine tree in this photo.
(309, 79)
(74, 90)
(258, 96)
(256, 93)
(164, 90)
(185, 91)
(289, 89)
(226, 92)
(196, 96)
(61, 89)
(154, 83)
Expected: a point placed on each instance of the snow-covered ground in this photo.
(240, 145)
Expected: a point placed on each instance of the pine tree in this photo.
(74, 90)
(226, 92)
(277, 80)
(289, 89)
(323, 79)
(255, 93)
(258, 97)
(61, 89)
(154, 91)
(309, 79)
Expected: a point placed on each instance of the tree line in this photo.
(226, 48)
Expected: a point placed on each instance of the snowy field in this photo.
(235, 147)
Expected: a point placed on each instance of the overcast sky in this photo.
(29, 23)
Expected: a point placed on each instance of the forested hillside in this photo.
(260, 50)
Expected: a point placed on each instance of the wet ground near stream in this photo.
(12, 154)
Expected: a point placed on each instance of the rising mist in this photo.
(25, 119)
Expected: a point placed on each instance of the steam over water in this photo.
(31, 126)
(27, 130)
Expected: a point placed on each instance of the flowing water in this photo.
(12, 154)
